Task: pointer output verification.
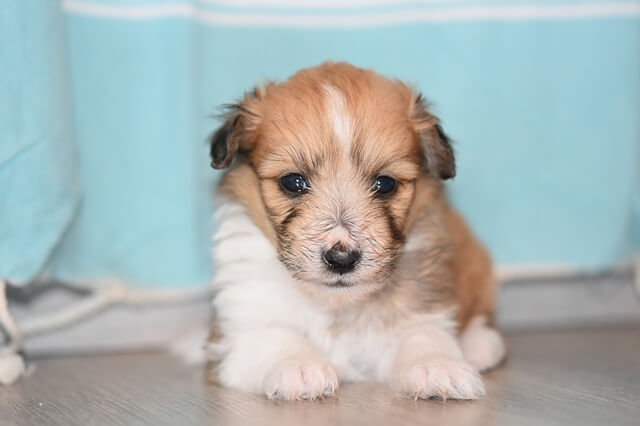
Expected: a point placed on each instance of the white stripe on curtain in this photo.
(334, 4)
(357, 20)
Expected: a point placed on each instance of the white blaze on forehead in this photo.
(338, 113)
(340, 234)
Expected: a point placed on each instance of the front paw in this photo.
(442, 378)
(301, 379)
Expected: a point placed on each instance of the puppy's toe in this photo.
(301, 379)
(442, 378)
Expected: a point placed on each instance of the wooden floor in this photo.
(559, 378)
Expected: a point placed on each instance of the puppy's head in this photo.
(339, 153)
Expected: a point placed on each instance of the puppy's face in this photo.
(337, 151)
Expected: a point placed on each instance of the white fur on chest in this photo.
(255, 291)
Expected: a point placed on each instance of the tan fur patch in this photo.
(241, 184)
(475, 282)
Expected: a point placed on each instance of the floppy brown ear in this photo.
(436, 145)
(239, 121)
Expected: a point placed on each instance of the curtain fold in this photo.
(39, 186)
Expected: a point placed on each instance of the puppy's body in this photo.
(292, 319)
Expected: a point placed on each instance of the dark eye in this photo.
(294, 183)
(384, 186)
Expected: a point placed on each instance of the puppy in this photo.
(337, 256)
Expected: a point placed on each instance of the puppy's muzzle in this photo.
(340, 259)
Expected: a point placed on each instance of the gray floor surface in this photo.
(587, 377)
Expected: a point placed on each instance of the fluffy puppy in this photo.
(337, 256)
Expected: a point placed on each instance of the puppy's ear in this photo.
(436, 145)
(240, 120)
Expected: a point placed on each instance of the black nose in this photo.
(340, 259)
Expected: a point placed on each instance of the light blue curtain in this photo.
(116, 98)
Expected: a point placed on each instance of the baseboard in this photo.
(569, 301)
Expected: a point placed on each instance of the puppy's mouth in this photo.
(338, 284)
